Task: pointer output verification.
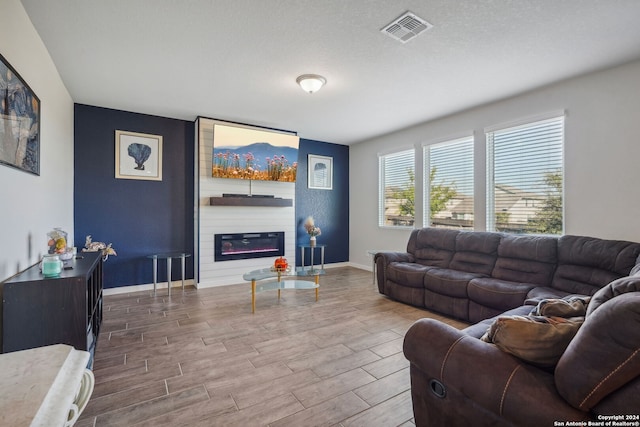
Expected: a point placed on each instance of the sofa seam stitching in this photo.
(608, 376)
(495, 291)
(506, 387)
(446, 356)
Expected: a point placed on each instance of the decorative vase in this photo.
(312, 241)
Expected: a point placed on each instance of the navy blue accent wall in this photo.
(138, 217)
(329, 208)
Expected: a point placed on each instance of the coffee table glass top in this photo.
(286, 284)
(265, 273)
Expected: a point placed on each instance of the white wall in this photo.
(30, 205)
(602, 158)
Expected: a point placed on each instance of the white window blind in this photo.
(396, 206)
(448, 185)
(525, 178)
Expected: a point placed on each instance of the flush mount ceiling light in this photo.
(311, 82)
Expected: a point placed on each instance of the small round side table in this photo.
(169, 257)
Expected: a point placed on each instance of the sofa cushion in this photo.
(406, 294)
(434, 246)
(586, 264)
(570, 306)
(479, 312)
(454, 307)
(476, 252)
(526, 259)
(539, 293)
(411, 243)
(499, 294)
(452, 283)
(407, 274)
(613, 289)
(477, 330)
(604, 352)
(636, 268)
(539, 340)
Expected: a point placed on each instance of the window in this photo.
(448, 178)
(525, 178)
(396, 197)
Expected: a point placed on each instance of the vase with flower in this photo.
(312, 230)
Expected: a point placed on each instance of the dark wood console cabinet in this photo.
(38, 311)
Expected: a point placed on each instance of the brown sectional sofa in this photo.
(458, 379)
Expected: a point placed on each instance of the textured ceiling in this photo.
(238, 59)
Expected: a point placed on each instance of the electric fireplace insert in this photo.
(248, 245)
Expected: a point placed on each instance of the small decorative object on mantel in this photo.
(90, 246)
(312, 230)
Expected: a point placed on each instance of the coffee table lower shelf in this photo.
(280, 285)
(275, 280)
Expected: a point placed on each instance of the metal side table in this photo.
(312, 250)
(169, 257)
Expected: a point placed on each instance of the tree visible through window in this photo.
(449, 188)
(525, 178)
(397, 189)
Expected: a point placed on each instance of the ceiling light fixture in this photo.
(311, 82)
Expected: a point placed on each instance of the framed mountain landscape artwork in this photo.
(19, 121)
(243, 152)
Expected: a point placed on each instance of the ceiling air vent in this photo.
(406, 27)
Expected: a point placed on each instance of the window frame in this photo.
(426, 155)
(382, 180)
(531, 122)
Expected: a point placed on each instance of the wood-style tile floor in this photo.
(200, 358)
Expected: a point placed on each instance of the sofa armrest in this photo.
(389, 257)
(383, 259)
(479, 377)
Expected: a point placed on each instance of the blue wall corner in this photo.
(138, 217)
(329, 208)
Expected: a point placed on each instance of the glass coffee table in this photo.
(279, 283)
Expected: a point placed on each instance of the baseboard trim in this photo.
(361, 266)
(162, 286)
(189, 282)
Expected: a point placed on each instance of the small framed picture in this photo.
(320, 172)
(138, 156)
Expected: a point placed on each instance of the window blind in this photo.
(397, 189)
(448, 185)
(525, 178)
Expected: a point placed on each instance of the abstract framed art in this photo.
(138, 156)
(320, 172)
(19, 121)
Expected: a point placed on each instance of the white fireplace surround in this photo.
(211, 220)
